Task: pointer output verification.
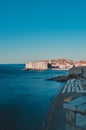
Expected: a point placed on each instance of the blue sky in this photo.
(42, 29)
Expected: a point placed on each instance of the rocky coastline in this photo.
(74, 73)
(65, 78)
(72, 95)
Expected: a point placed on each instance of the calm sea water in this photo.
(25, 97)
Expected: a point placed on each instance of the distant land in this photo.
(59, 64)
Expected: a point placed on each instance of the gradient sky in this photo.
(42, 29)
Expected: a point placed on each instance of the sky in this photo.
(42, 29)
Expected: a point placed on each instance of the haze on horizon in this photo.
(42, 29)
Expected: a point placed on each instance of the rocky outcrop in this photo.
(74, 73)
(64, 78)
(78, 71)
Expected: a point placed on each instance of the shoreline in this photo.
(56, 118)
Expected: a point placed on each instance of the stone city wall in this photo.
(76, 114)
(37, 65)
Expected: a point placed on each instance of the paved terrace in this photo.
(74, 86)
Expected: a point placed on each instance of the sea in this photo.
(26, 96)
